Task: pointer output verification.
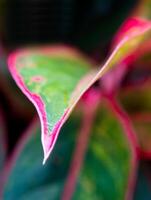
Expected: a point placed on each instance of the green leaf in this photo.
(108, 162)
(27, 178)
(55, 78)
(104, 175)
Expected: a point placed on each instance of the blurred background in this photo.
(88, 25)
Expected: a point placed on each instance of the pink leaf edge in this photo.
(132, 25)
(133, 143)
(48, 141)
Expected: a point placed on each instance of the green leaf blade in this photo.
(26, 178)
(48, 78)
(107, 167)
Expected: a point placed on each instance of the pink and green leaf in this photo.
(48, 77)
(25, 177)
(112, 80)
(109, 153)
(108, 162)
(55, 78)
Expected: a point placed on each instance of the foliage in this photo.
(93, 119)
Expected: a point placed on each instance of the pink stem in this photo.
(131, 136)
(80, 149)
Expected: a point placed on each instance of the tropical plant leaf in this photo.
(108, 152)
(26, 178)
(55, 78)
(112, 80)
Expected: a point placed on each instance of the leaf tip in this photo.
(44, 160)
(46, 151)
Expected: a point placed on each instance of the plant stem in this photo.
(80, 150)
(131, 136)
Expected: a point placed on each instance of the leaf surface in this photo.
(108, 162)
(112, 80)
(109, 153)
(26, 178)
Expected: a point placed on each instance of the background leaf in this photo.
(27, 178)
(107, 165)
(106, 168)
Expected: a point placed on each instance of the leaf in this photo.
(55, 78)
(26, 178)
(112, 80)
(108, 162)
(108, 153)
(132, 25)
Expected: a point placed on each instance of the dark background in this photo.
(88, 25)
